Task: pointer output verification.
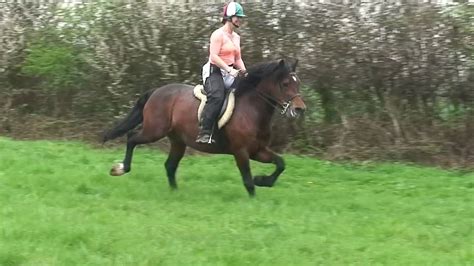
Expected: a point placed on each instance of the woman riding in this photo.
(224, 65)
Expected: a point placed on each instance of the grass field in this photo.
(59, 207)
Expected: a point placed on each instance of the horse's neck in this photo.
(257, 108)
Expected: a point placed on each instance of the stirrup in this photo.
(205, 138)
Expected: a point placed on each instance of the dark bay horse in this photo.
(171, 111)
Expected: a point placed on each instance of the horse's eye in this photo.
(286, 84)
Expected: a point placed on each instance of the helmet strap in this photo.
(231, 21)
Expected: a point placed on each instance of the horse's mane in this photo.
(260, 71)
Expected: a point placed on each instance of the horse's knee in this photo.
(170, 165)
(167, 164)
(280, 164)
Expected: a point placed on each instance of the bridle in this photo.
(275, 103)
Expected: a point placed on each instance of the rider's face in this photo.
(237, 21)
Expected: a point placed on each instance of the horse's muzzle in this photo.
(295, 112)
(294, 108)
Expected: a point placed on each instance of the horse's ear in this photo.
(281, 64)
(293, 67)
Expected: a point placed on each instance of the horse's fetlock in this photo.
(251, 191)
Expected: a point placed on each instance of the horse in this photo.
(171, 111)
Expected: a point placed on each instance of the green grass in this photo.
(59, 207)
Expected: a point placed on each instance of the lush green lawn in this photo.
(59, 207)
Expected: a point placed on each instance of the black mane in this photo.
(258, 72)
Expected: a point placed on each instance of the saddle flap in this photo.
(227, 107)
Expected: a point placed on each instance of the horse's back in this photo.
(170, 91)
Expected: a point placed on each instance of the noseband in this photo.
(286, 104)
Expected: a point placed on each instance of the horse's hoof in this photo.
(117, 170)
(263, 181)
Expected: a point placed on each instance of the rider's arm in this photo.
(239, 63)
(214, 48)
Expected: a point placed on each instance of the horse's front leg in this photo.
(242, 160)
(268, 156)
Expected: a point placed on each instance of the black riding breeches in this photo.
(215, 91)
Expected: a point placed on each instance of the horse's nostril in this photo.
(300, 110)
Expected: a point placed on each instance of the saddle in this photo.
(227, 107)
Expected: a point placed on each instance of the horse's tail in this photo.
(133, 119)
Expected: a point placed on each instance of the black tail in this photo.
(133, 119)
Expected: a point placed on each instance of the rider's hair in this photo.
(224, 20)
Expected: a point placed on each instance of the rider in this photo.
(225, 63)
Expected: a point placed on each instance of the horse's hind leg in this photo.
(134, 139)
(176, 153)
(268, 156)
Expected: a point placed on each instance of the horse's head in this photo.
(281, 88)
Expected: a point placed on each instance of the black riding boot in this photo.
(205, 132)
(215, 93)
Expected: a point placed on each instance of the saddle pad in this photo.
(227, 107)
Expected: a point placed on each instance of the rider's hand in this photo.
(234, 72)
(243, 72)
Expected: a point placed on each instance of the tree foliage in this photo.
(381, 81)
